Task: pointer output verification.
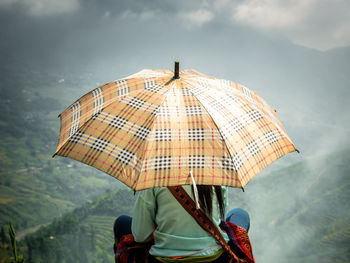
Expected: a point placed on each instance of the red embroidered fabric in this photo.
(240, 237)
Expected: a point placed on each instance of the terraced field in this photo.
(102, 227)
(83, 235)
(50, 191)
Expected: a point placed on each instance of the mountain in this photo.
(84, 235)
(34, 188)
(300, 213)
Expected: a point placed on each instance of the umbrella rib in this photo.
(166, 83)
(210, 117)
(228, 150)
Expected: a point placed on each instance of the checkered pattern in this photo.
(151, 85)
(253, 148)
(194, 110)
(197, 90)
(270, 138)
(98, 100)
(196, 135)
(136, 103)
(162, 162)
(139, 104)
(196, 161)
(216, 105)
(99, 144)
(75, 117)
(234, 125)
(125, 156)
(249, 97)
(252, 116)
(76, 137)
(148, 130)
(173, 110)
(116, 122)
(176, 135)
(122, 88)
(166, 111)
(142, 132)
(162, 135)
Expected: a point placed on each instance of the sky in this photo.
(317, 24)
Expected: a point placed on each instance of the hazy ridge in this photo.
(298, 214)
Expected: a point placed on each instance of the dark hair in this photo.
(205, 196)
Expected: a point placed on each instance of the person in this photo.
(177, 237)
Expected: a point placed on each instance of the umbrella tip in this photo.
(176, 71)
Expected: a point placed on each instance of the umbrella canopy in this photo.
(155, 128)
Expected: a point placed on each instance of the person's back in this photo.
(176, 235)
(175, 231)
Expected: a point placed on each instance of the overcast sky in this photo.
(151, 33)
(318, 24)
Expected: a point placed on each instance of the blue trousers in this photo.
(238, 216)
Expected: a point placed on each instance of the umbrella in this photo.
(165, 128)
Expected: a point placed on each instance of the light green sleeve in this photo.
(143, 221)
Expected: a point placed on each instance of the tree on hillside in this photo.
(92, 237)
(30, 251)
(3, 237)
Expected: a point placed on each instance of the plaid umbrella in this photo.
(155, 128)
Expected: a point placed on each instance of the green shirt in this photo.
(175, 232)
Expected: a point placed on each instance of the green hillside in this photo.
(33, 196)
(84, 235)
(298, 214)
(34, 188)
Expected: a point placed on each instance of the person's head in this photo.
(205, 196)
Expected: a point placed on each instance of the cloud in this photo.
(318, 24)
(4, 3)
(107, 14)
(273, 13)
(321, 24)
(195, 19)
(142, 15)
(191, 17)
(40, 8)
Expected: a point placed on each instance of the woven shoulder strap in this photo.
(186, 201)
